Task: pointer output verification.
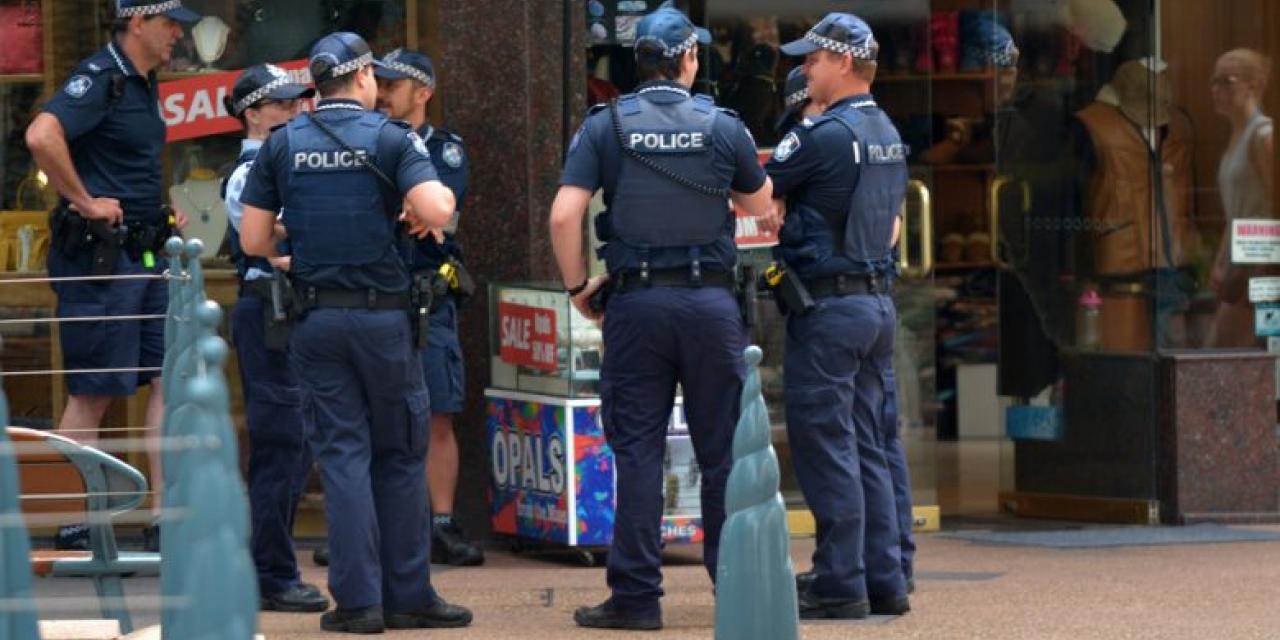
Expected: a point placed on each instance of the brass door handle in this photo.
(997, 185)
(925, 266)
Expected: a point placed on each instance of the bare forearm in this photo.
(567, 213)
(257, 232)
(48, 146)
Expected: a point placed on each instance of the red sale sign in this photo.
(528, 336)
(747, 232)
(193, 107)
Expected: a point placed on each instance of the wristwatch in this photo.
(573, 292)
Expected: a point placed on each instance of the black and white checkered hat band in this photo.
(671, 52)
(149, 9)
(867, 52)
(351, 65)
(1006, 57)
(259, 93)
(411, 71)
(796, 98)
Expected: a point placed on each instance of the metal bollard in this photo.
(755, 582)
(205, 560)
(17, 604)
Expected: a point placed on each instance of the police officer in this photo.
(668, 162)
(264, 97)
(797, 106)
(99, 140)
(340, 175)
(844, 176)
(406, 84)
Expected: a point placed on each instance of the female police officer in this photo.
(340, 175)
(668, 163)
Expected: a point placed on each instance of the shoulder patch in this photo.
(451, 153)
(786, 147)
(78, 85)
(418, 144)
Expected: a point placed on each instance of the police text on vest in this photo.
(328, 160)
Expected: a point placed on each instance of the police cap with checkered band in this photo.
(338, 54)
(170, 8)
(264, 82)
(671, 30)
(838, 33)
(407, 63)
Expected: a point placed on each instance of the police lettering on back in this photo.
(329, 160)
(668, 141)
(886, 153)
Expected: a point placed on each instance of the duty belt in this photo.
(258, 288)
(677, 277)
(371, 299)
(848, 284)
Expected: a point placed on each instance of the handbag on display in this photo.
(21, 31)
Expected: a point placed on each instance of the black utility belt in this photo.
(849, 284)
(257, 288)
(681, 277)
(370, 299)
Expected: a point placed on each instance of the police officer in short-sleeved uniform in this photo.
(340, 176)
(406, 85)
(671, 317)
(844, 176)
(99, 140)
(264, 97)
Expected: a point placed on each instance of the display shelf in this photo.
(21, 78)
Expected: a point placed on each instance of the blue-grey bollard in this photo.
(755, 582)
(214, 571)
(17, 603)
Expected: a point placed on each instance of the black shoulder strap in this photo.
(362, 159)
(654, 166)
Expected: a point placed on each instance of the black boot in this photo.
(300, 598)
(367, 620)
(321, 556)
(606, 616)
(73, 537)
(440, 615)
(815, 608)
(450, 546)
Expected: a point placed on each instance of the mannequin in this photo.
(1245, 183)
(1138, 206)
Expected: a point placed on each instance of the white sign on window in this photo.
(1255, 241)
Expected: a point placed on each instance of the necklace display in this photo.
(200, 197)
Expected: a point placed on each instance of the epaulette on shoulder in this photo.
(729, 112)
(446, 135)
(597, 108)
(399, 123)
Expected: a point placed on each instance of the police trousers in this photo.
(838, 377)
(362, 387)
(279, 455)
(655, 338)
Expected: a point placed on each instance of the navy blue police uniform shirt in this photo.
(595, 159)
(452, 165)
(814, 167)
(397, 157)
(110, 115)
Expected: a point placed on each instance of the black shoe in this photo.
(450, 546)
(321, 556)
(73, 537)
(440, 615)
(151, 538)
(605, 616)
(894, 606)
(300, 598)
(804, 580)
(367, 620)
(815, 608)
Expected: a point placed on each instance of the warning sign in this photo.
(1255, 242)
(1264, 289)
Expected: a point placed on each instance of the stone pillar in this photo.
(502, 69)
